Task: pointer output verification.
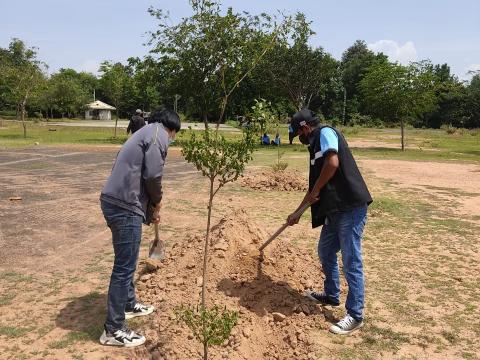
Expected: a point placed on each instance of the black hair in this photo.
(167, 117)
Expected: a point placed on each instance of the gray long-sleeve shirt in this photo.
(136, 178)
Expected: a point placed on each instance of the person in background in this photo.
(136, 122)
(291, 135)
(265, 139)
(276, 141)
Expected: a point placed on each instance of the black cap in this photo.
(301, 118)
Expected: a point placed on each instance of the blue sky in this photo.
(81, 34)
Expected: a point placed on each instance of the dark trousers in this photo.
(126, 227)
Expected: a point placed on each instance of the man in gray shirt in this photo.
(132, 196)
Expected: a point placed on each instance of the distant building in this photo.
(98, 110)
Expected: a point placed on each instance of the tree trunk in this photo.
(222, 111)
(300, 105)
(205, 262)
(22, 115)
(116, 121)
(403, 133)
(205, 351)
(205, 120)
(207, 239)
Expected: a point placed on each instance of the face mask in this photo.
(304, 139)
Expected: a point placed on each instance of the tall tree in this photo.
(300, 72)
(395, 92)
(450, 95)
(22, 74)
(211, 53)
(114, 81)
(69, 92)
(355, 62)
(148, 82)
(472, 103)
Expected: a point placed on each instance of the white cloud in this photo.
(402, 53)
(90, 65)
(467, 73)
(473, 67)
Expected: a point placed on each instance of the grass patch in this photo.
(6, 299)
(70, 339)
(14, 277)
(383, 339)
(434, 145)
(12, 135)
(450, 337)
(92, 296)
(388, 206)
(13, 331)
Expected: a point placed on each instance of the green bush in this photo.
(209, 326)
(451, 130)
(358, 119)
(280, 166)
(8, 114)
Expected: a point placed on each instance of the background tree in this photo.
(450, 95)
(301, 72)
(472, 103)
(68, 93)
(21, 74)
(115, 81)
(355, 63)
(147, 82)
(210, 54)
(395, 92)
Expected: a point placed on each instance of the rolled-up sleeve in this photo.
(153, 171)
(328, 140)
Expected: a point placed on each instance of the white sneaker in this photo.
(123, 337)
(346, 325)
(139, 310)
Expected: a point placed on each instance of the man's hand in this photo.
(156, 217)
(156, 213)
(293, 219)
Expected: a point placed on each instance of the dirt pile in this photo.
(275, 180)
(276, 320)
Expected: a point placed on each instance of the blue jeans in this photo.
(126, 227)
(343, 232)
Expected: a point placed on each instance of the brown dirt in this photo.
(238, 280)
(454, 184)
(269, 180)
(56, 258)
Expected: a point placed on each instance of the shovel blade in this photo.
(157, 250)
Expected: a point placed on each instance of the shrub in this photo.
(280, 166)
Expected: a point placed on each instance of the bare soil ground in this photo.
(421, 262)
(282, 180)
(457, 185)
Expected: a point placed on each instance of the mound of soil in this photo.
(276, 321)
(275, 180)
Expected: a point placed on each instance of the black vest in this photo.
(345, 190)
